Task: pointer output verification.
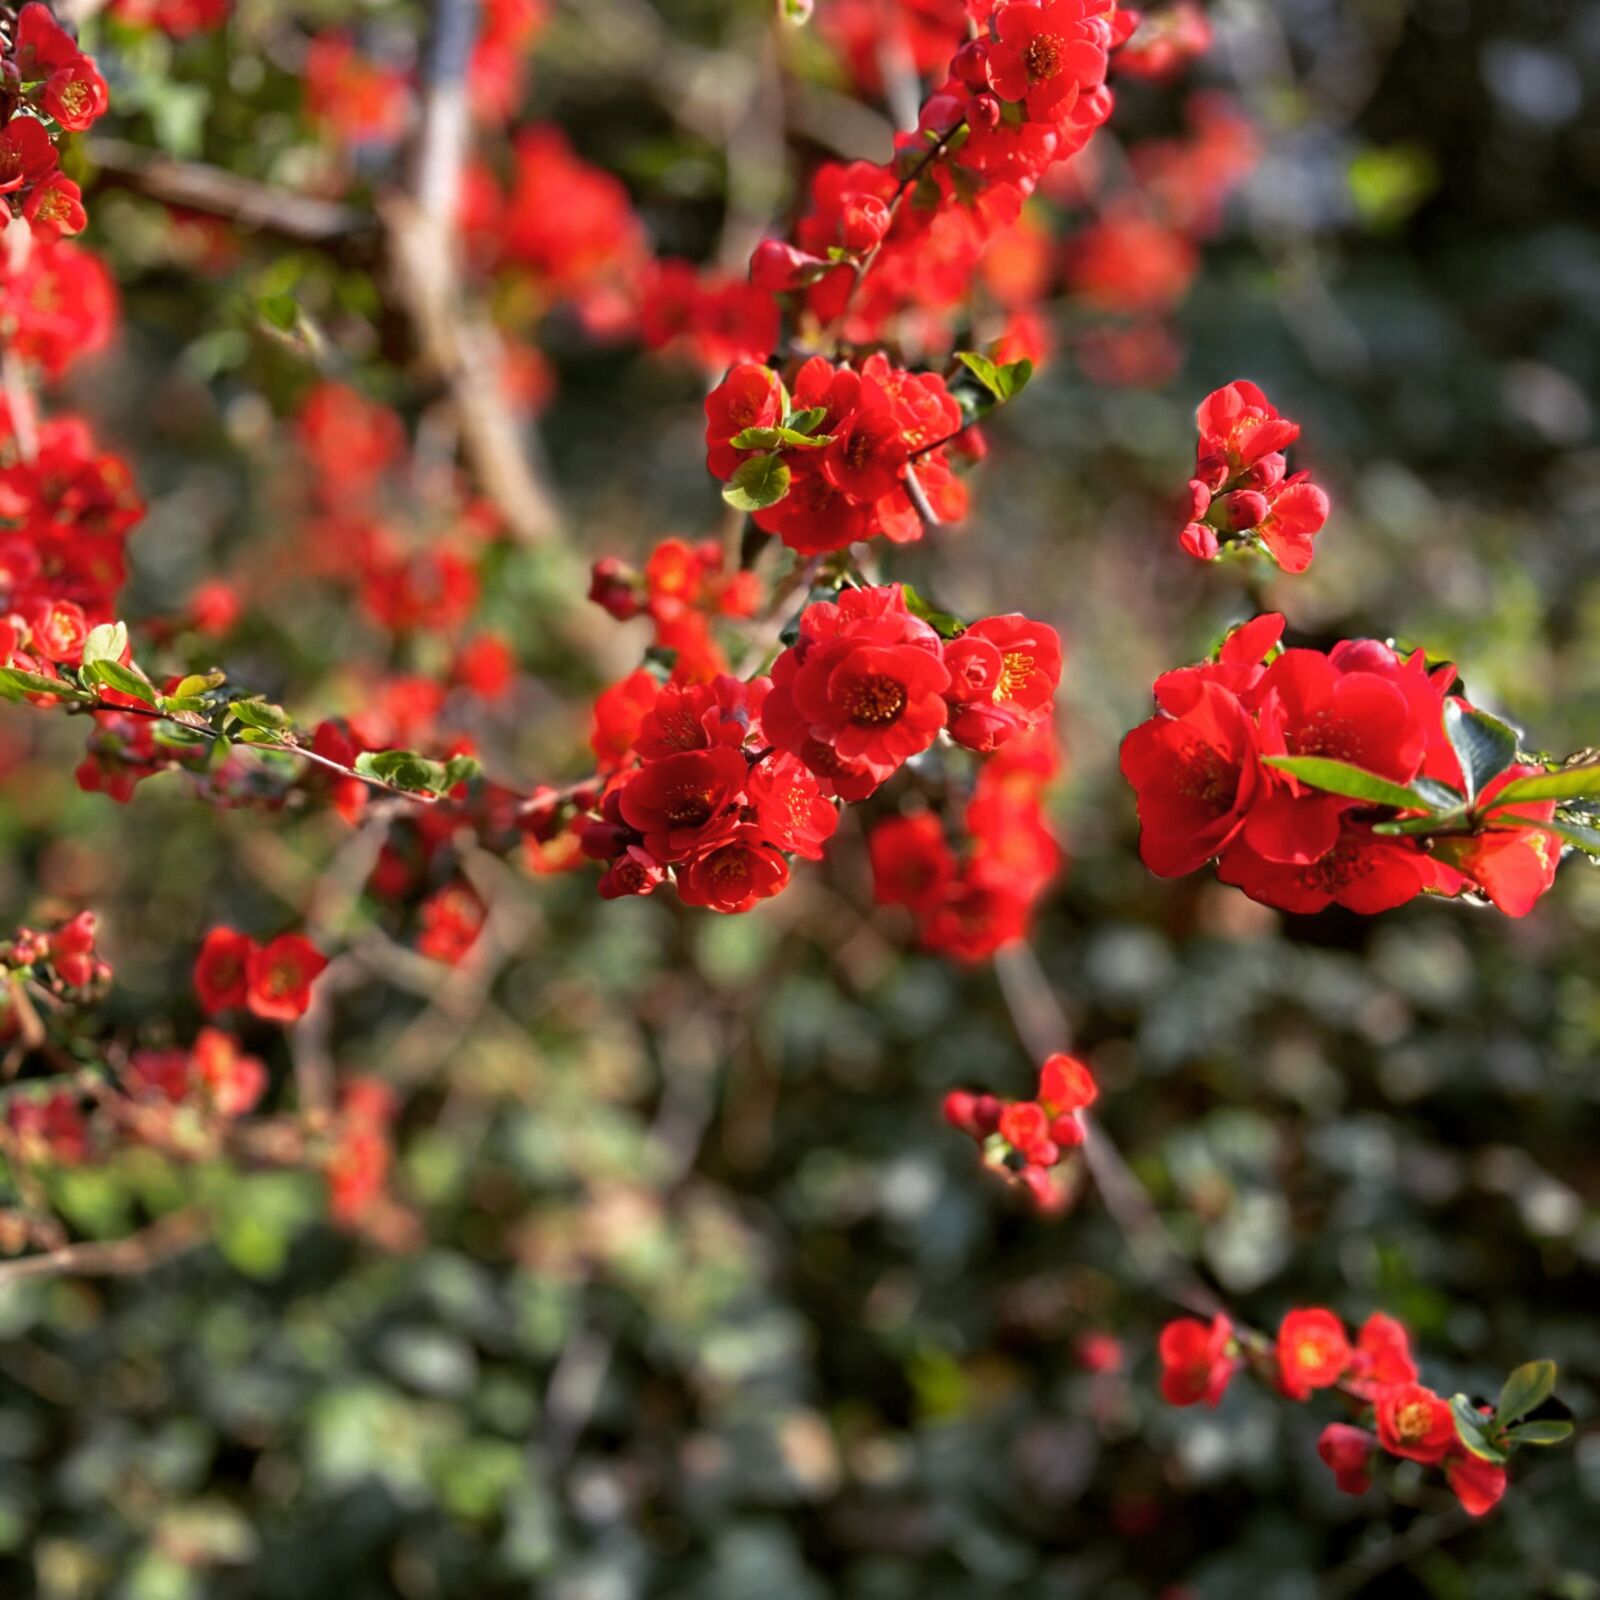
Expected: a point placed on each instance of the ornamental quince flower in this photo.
(1313, 1352)
(279, 976)
(1196, 1360)
(1414, 1422)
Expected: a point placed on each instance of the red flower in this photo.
(220, 969)
(159, 1075)
(1414, 1422)
(1514, 865)
(1296, 517)
(56, 207)
(790, 809)
(696, 716)
(234, 1080)
(618, 713)
(1066, 1084)
(1478, 1484)
(1025, 1126)
(684, 802)
(1362, 872)
(75, 94)
(1382, 1357)
(749, 397)
(1195, 1360)
(911, 863)
(1239, 425)
(279, 977)
(1313, 1352)
(865, 680)
(72, 951)
(1196, 777)
(867, 453)
(59, 630)
(1004, 672)
(733, 875)
(27, 153)
(1348, 1452)
(450, 921)
(1043, 56)
(42, 46)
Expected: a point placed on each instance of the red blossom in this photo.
(1196, 1360)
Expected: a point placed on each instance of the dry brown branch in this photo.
(161, 1241)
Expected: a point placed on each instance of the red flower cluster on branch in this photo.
(1239, 495)
(1377, 1374)
(1220, 773)
(1027, 1140)
(272, 981)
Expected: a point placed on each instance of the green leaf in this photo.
(106, 642)
(1484, 745)
(1339, 777)
(116, 676)
(806, 421)
(1525, 1390)
(402, 769)
(1541, 1433)
(258, 713)
(760, 482)
(943, 623)
(1565, 783)
(1443, 796)
(779, 439)
(14, 683)
(1003, 382)
(1470, 1431)
(198, 683)
(460, 769)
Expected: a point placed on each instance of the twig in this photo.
(459, 344)
(161, 1241)
(195, 186)
(919, 498)
(1043, 1028)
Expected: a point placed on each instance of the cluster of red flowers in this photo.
(824, 464)
(1027, 1140)
(1206, 789)
(216, 1071)
(361, 1150)
(272, 981)
(713, 317)
(1313, 1351)
(719, 782)
(969, 907)
(1026, 93)
(57, 304)
(1239, 494)
(683, 589)
(49, 86)
(62, 959)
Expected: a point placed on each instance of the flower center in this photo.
(1043, 56)
(689, 808)
(1015, 670)
(876, 701)
(1414, 1421)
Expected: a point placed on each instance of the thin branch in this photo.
(161, 1241)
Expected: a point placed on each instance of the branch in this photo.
(458, 343)
(161, 1241)
(196, 186)
(1043, 1028)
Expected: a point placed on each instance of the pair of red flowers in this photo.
(1024, 1139)
(1313, 1351)
(1239, 493)
(1205, 791)
(833, 450)
(272, 981)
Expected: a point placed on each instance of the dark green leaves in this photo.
(1339, 777)
(1540, 1433)
(1525, 1390)
(14, 683)
(1484, 745)
(760, 482)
